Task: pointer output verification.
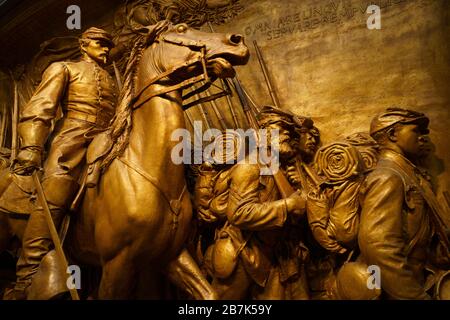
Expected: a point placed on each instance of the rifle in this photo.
(216, 110)
(230, 105)
(204, 113)
(245, 106)
(252, 102)
(299, 164)
(272, 93)
(438, 213)
(281, 181)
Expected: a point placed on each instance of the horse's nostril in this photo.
(235, 38)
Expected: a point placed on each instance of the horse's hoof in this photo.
(211, 296)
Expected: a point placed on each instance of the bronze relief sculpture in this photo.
(99, 136)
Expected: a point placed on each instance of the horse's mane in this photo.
(121, 124)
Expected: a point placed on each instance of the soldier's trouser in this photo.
(240, 286)
(61, 171)
(295, 288)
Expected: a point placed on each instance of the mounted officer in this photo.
(87, 96)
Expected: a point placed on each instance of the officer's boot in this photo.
(37, 242)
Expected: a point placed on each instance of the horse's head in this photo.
(191, 51)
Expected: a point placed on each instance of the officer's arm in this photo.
(37, 115)
(381, 239)
(244, 207)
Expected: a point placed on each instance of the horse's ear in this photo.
(152, 31)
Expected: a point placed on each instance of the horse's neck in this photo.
(153, 123)
(150, 145)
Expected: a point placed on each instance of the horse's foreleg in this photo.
(185, 273)
(118, 277)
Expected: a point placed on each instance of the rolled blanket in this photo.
(338, 162)
(228, 148)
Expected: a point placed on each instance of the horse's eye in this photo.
(181, 28)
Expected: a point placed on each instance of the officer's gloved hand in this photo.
(296, 203)
(27, 161)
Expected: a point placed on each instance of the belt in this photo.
(82, 116)
(102, 119)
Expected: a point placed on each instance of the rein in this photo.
(140, 99)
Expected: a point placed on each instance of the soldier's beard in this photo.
(286, 151)
(307, 154)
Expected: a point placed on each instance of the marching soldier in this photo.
(253, 255)
(401, 230)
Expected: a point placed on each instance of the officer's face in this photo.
(408, 139)
(97, 50)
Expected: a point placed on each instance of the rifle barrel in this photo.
(245, 106)
(272, 92)
(219, 115)
(204, 113)
(281, 181)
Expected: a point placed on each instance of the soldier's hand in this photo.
(292, 175)
(27, 161)
(296, 203)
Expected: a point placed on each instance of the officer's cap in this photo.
(94, 33)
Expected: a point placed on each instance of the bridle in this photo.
(139, 99)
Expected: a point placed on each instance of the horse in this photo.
(135, 223)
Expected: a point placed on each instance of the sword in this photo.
(117, 74)
(53, 232)
(15, 121)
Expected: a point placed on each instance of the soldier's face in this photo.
(97, 50)
(284, 137)
(408, 139)
(307, 143)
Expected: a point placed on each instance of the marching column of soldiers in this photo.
(363, 204)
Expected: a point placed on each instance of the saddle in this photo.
(15, 191)
(97, 150)
(99, 147)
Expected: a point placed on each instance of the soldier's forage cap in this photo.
(395, 115)
(303, 122)
(271, 114)
(94, 33)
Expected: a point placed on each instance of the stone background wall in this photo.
(325, 63)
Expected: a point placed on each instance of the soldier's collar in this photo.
(400, 160)
(88, 59)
